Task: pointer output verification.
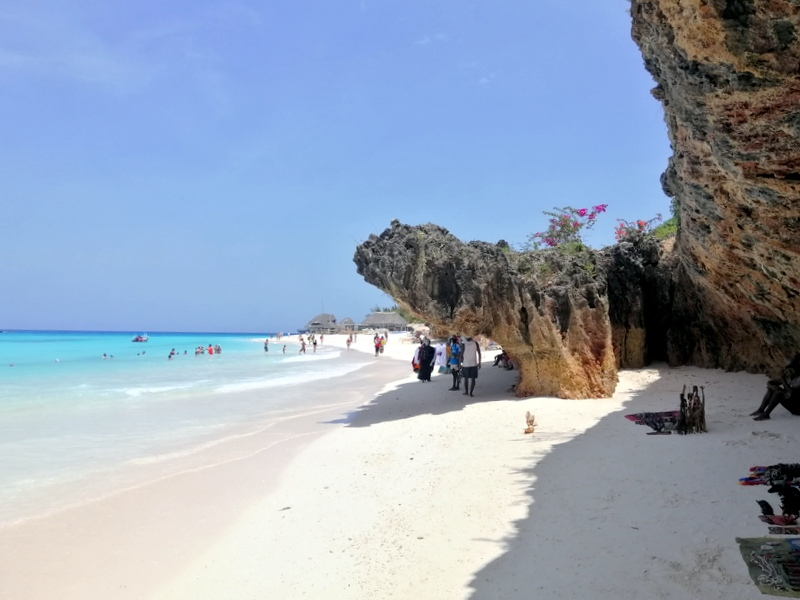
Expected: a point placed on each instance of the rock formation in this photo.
(727, 294)
(552, 311)
(728, 76)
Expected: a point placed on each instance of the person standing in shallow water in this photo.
(470, 364)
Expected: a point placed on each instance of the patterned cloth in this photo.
(770, 475)
(773, 564)
(659, 422)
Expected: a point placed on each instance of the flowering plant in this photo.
(631, 231)
(565, 226)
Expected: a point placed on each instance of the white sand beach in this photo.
(422, 492)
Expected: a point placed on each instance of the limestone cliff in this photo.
(727, 294)
(727, 74)
(568, 319)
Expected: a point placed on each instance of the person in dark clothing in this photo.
(784, 391)
(426, 359)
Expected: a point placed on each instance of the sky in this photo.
(211, 165)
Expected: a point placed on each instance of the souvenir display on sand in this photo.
(693, 411)
(784, 529)
(770, 475)
(689, 418)
(786, 523)
(660, 422)
(773, 564)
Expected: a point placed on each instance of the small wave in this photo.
(158, 389)
(293, 379)
(148, 460)
(323, 355)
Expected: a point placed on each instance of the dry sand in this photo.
(425, 493)
(428, 494)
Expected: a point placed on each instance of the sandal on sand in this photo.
(762, 417)
(756, 413)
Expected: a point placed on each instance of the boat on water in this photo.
(140, 338)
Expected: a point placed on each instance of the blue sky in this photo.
(212, 165)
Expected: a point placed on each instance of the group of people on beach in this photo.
(212, 349)
(312, 339)
(266, 344)
(460, 357)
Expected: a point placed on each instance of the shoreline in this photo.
(416, 491)
(127, 543)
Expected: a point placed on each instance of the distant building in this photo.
(384, 320)
(323, 323)
(347, 324)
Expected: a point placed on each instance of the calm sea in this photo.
(69, 416)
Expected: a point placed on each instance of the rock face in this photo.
(551, 311)
(727, 74)
(727, 295)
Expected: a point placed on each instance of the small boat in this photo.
(140, 338)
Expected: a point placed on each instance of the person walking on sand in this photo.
(441, 357)
(470, 364)
(427, 358)
(302, 346)
(378, 347)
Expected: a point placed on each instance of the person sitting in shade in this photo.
(784, 391)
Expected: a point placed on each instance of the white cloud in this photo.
(57, 43)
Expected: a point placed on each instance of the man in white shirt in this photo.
(470, 363)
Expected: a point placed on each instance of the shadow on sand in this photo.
(615, 513)
(413, 398)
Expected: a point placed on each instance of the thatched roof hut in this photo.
(323, 323)
(385, 320)
(347, 324)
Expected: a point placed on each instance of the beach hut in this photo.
(347, 324)
(389, 320)
(323, 323)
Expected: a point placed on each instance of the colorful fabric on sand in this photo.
(773, 564)
(770, 475)
(659, 422)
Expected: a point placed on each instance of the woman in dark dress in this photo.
(426, 359)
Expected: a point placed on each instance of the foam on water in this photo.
(84, 418)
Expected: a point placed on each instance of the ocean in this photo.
(85, 410)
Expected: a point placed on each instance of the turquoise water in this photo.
(68, 415)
